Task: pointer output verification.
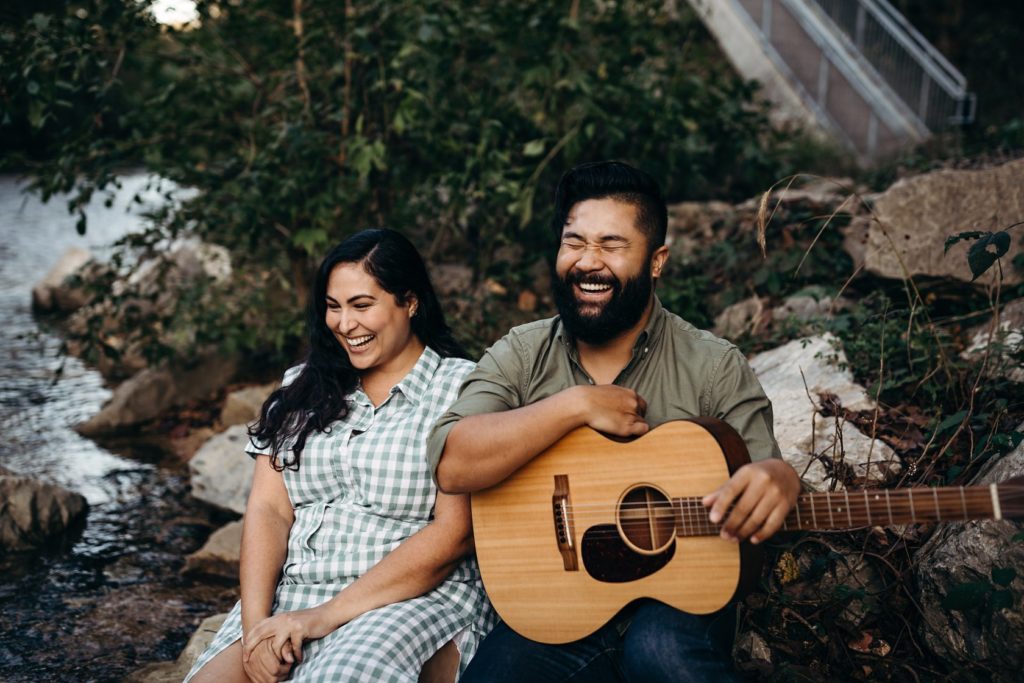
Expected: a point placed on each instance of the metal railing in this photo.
(918, 73)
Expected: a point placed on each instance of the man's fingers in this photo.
(641, 406)
(755, 520)
(771, 525)
(297, 646)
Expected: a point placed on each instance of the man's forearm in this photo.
(483, 450)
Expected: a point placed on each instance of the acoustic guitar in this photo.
(593, 523)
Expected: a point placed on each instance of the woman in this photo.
(354, 567)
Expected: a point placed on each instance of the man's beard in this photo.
(623, 310)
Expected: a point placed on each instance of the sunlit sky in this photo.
(174, 11)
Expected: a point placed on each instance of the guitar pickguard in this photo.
(607, 558)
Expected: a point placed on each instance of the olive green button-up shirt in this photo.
(679, 370)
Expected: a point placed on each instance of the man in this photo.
(616, 361)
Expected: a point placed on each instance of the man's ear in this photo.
(658, 260)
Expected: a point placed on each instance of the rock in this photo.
(1007, 340)
(966, 553)
(33, 512)
(184, 446)
(807, 308)
(740, 318)
(219, 555)
(175, 672)
(243, 406)
(150, 392)
(222, 472)
(150, 293)
(917, 214)
(43, 294)
(794, 377)
(752, 654)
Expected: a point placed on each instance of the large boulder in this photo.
(33, 512)
(979, 568)
(151, 293)
(219, 556)
(175, 672)
(222, 472)
(243, 406)
(917, 214)
(796, 377)
(152, 391)
(47, 294)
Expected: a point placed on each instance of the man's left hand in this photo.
(763, 493)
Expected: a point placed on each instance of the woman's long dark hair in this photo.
(317, 397)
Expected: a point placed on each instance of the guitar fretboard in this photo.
(856, 509)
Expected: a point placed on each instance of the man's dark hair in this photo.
(621, 182)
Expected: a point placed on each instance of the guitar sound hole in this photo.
(646, 520)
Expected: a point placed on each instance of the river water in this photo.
(112, 599)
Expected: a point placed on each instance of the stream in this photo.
(111, 599)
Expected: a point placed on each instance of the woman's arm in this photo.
(417, 565)
(267, 523)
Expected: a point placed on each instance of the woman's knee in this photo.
(226, 667)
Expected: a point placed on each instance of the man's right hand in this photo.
(612, 409)
(482, 450)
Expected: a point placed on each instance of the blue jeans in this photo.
(660, 645)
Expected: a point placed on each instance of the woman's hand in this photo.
(286, 632)
(263, 666)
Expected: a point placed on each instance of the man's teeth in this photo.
(359, 341)
(594, 287)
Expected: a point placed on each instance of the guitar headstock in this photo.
(1011, 497)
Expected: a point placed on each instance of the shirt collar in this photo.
(417, 381)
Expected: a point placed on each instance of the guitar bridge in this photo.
(565, 532)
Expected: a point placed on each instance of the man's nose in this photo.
(590, 259)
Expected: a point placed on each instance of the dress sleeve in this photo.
(737, 398)
(496, 384)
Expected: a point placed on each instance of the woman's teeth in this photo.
(359, 341)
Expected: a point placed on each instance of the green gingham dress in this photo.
(360, 490)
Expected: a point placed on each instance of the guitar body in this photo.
(557, 542)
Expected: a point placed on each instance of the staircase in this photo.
(853, 68)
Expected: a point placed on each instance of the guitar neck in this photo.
(867, 507)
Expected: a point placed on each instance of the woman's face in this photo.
(372, 328)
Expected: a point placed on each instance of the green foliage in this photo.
(299, 123)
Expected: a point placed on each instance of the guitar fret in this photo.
(846, 495)
(888, 505)
(963, 502)
(867, 505)
(828, 499)
(910, 499)
(814, 513)
(938, 511)
(799, 522)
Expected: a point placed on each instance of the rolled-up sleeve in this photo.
(736, 396)
(496, 384)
